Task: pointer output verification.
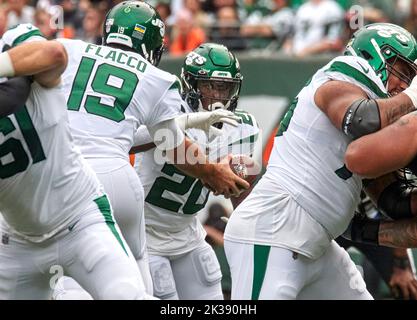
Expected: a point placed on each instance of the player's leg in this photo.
(98, 258)
(126, 195)
(197, 274)
(24, 274)
(264, 272)
(163, 278)
(335, 278)
(67, 288)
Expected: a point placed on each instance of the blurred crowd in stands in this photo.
(293, 27)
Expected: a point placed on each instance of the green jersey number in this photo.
(181, 188)
(121, 94)
(246, 118)
(12, 148)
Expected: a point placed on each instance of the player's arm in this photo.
(190, 158)
(397, 234)
(142, 141)
(381, 152)
(396, 202)
(403, 282)
(350, 110)
(392, 196)
(13, 94)
(46, 60)
(199, 120)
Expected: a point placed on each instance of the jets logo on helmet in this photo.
(211, 78)
(161, 25)
(387, 32)
(382, 45)
(194, 57)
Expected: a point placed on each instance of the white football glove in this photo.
(204, 120)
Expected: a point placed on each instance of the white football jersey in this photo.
(315, 22)
(110, 92)
(44, 181)
(307, 161)
(173, 199)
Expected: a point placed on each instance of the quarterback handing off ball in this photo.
(244, 167)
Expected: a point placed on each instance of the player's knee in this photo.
(207, 266)
(163, 280)
(125, 289)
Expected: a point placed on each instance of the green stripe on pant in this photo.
(104, 207)
(260, 261)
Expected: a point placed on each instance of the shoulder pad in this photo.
(21, 33)
(359, 70)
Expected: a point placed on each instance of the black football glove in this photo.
(362, 230)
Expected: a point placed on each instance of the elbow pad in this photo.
(395, 201)
(361, 118)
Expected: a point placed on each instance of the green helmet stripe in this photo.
(350, 71)
(381, 44)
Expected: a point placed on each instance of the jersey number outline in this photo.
(122, 95)
(161, 184)
(14, 146)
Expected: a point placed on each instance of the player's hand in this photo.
(205, 120)
(222, 180)
(403, 284)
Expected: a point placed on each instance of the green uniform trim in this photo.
(105, 209)
(30, 135)
(352, 72)
(27, 35)
(250, 139)
(176, 85)
(260, 262)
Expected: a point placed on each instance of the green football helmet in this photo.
(211, 78)
(382, 45)
(137, 25)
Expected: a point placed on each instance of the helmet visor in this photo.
(402, 68)
(217, 90)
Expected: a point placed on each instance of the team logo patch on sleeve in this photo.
(139, 31)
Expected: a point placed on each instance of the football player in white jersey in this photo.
(183, 265)
(285, 228)
(110, 91)
(55, 214)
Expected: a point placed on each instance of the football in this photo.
(245, 167)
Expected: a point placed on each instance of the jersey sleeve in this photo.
(355, 70)
(22, 33)
(142, 136)
(168, 107)
(248, 133)
(237, 140)
(72, 46)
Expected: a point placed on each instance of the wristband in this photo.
(401, 263)
(6, 66)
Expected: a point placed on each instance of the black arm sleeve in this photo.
(13, 94)
(361, 118)
(395, 201)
